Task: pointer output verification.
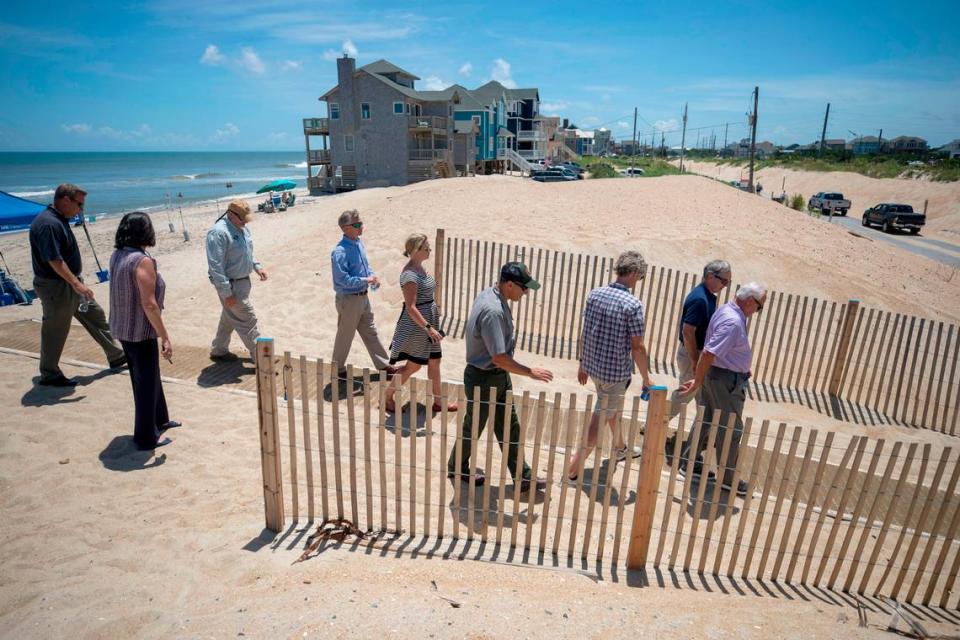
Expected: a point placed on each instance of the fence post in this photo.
(648, 483)
(439, 247)
(269, 436)
(841, 356)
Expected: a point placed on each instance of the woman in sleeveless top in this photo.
(136, 302)
(416, 338)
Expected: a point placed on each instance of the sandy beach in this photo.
(104, 543)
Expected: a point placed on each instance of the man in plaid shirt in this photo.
(611, 343)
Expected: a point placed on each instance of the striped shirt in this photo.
(128, 322)
(613, 316)
(727, 339)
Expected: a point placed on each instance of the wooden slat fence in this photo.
(900, 369)
(857, 514)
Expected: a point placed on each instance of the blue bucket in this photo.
(103, 276)
(6, 299)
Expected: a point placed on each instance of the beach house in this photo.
(380, 130)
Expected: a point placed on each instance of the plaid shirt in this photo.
(612, 317)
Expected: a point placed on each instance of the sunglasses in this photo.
(79, 203)
(759, 305)
(356, 225)
(724, 281)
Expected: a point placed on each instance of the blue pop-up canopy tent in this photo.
(16, 213)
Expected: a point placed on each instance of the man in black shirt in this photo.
(56, 279)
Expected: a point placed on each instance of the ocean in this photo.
(118, 182)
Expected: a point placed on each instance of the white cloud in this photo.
(291, 65)
(623, 124)
(434, 83)
(250, 60)
(667, 125)
(501, 73)
(110, 132)
(554, 107)
(228, 131)
(212, 56)
(80, 128)
(347, 48)
(465, 69)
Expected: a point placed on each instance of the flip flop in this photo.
(170, 424)
(450, 407)
(160, 443)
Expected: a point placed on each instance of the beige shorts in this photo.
(609, 397)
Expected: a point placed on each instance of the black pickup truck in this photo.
(893, 217)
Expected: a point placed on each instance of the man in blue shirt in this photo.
(698, 307)
(229, 263)
(352, 278)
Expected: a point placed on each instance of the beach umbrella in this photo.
(277, 185)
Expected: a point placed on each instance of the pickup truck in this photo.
(892, 217)
(826, 201)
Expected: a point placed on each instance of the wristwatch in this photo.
(427, 327)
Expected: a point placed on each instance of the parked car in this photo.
(574, 167)
(554, 174)
(827, 201)
(632, 171)
(894, 216)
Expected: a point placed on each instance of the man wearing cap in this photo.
(611, 343)
(352, 279)
(698, 307)
(229, 263)
(57, 281)
(723, 371)
(490, 345)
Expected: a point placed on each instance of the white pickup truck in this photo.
(826, 201)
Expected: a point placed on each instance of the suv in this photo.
(554, 174)
(826, 201)
(894, 216)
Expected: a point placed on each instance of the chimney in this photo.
(346, 67)
(566, 123)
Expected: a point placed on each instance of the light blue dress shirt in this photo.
(229, 255)
(350, 267)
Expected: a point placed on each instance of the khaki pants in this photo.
(240, 318)
(60, 304)
(724, 392)
(686, 372)
(354, 315)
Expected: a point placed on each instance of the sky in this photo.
(195, 75)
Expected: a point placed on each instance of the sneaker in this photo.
(742, 487)
(478, 478)
(622, 453)
(120, 363)
(697, 469)
(224, 357)
(541, 484)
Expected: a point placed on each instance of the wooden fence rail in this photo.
(861, 515)
(902, 369)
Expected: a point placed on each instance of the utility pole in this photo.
(753, 133)
(663, 144)
(880, 142)
(823, 134)
(634, 147)
(683, 136)
(725, 127)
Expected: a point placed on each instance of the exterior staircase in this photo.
(518, 161)
(569, 153)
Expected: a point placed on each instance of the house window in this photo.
(398, 108)
(476, 120)
(348, 143)
(417, 109)
(334, 111)
(364, 110)
(408, 108)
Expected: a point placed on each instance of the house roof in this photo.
(465, 126)
(503, 131)
(492, 91)
(385, 66)
(425, 96)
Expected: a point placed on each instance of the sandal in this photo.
(450, 407)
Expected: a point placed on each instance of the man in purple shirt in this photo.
(723, 371)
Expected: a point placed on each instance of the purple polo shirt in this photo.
(727, 339)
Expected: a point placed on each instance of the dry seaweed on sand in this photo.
(339, 530)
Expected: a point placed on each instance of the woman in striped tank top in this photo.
(136, 302)
(416, 338)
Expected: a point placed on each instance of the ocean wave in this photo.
(195, 176)
(31, 194)
(292, 165)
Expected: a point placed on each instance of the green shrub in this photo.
(797, 201)
(603, 170)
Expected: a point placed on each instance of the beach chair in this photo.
(291, 199)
